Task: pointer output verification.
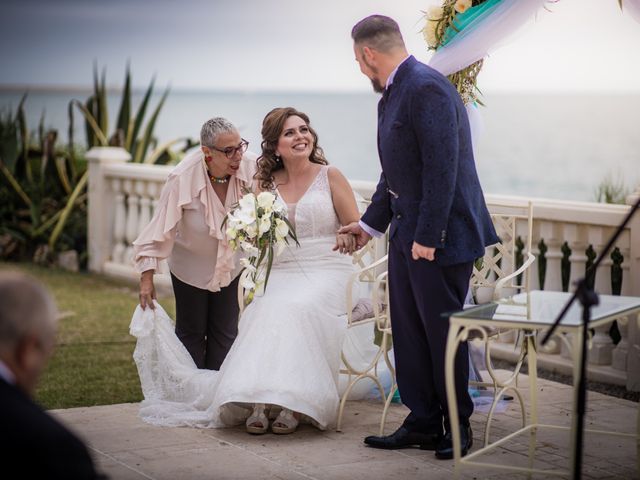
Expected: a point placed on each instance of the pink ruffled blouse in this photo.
(187, 225)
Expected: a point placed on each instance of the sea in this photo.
(560, 146)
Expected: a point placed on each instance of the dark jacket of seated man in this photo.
(33, 444)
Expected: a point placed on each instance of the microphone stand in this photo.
(587, 298)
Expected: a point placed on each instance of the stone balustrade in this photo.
(567, 236)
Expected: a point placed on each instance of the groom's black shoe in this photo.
(444, 450)
(404, 438)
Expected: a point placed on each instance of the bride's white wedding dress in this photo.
(287, 351)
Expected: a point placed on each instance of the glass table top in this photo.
(540, 308)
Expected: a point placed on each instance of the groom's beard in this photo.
(375, 81)
(377, 86)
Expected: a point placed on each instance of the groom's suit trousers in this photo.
(421, 293)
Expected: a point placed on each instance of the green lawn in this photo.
(93, 363)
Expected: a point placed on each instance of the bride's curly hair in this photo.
(272, 127)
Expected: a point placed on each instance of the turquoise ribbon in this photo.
(462, 20)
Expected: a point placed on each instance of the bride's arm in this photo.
(344, 202)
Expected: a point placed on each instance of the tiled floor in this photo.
(126, 448)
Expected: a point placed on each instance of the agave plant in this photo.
(44, 202)
(128, 132)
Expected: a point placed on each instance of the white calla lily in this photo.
(265, 225)
(266, 199)
(248, 202)
(249, 249)
(282, 229)
(246, 281)
(280, 207)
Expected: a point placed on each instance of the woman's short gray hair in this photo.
(213, 128)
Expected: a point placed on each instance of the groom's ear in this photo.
(369, 54)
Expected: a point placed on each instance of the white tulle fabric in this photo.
(484, 35)
(287, 352)
(479, 38)
(632, 7)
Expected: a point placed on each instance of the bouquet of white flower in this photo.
(258, 225)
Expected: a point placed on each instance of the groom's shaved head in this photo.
(378, 32)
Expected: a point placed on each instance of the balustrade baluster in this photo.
(133, 212)
(119, 221)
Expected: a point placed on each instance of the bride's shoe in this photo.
(257, 423)
(285, 423)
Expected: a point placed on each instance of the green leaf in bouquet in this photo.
(269, 265)
(292, 231)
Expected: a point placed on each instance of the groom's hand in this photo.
(354, 228)
(420, 251)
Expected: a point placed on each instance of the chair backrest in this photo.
(504, 269)
(371, 252)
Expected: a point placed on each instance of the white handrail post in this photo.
(100, 208)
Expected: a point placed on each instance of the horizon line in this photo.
(112, 89)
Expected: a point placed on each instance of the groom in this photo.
(430, 196)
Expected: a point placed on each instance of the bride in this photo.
(286, 356)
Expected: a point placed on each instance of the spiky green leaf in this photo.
(153, 157)
(15, 184)
(102, 103)
(63, 175)
(125, 105)
(91, 121)
(9, 138)
(82, 183)
(132, 135)
(142, 147)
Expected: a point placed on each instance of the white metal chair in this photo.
(368, 284)
(367, 287)
(502, 272)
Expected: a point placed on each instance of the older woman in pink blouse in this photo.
(186, 229)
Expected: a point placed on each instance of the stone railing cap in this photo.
(108, 154)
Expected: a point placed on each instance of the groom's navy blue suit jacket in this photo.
(429, 190)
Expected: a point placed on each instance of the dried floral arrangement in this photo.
(442, 24)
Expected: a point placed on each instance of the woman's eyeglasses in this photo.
(231, 151)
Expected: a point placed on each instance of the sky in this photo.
(253, 45)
